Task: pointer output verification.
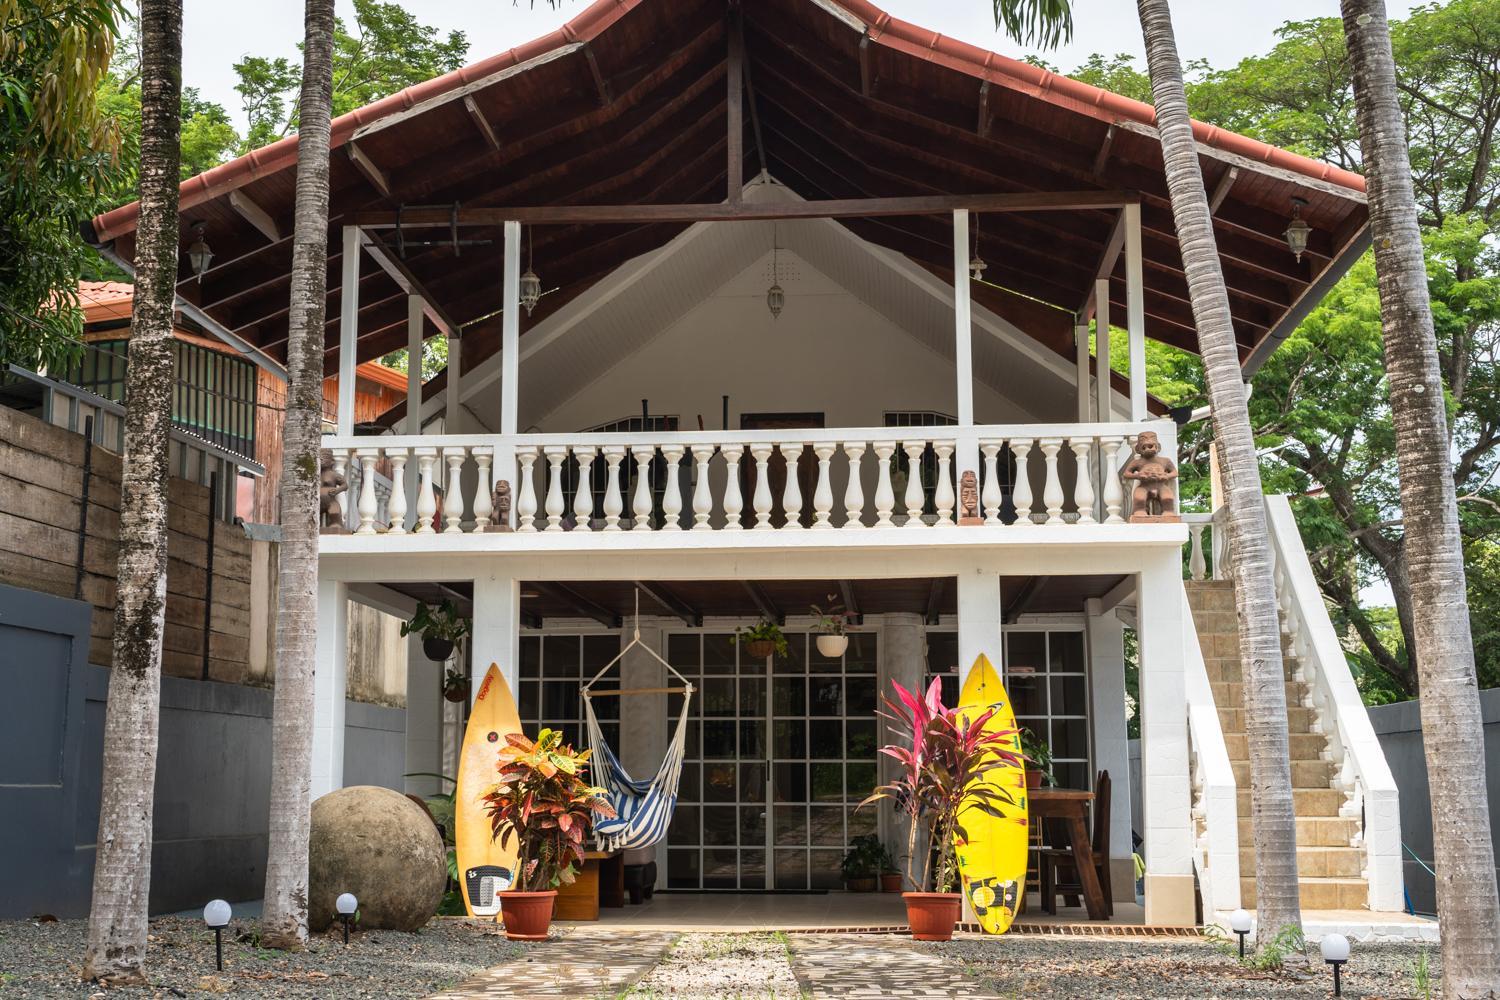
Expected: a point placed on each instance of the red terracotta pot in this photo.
(1033, 778)
(527, 915)
(890, 882)
(932, 915)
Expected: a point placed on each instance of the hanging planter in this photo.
(764, 640)
(831, 624)
(439, 627)
(437, 650)
(832, 646)
(455, 685)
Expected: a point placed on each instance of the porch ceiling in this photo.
(627, 105)
(613, 602)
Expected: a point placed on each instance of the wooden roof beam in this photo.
(1025, 595)
(368, 169)
(481, 123)
(983, 127)
(669, 601)
(735, 111)
(933, 611)
(589, 609)
(1101, 158)
(851, 604)
(254, 214)
(606, 95)
(407, 281)
(866, 71)
(767, 608)
(1221, 189)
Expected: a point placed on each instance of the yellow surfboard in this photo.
(485, 869)
(992, 862)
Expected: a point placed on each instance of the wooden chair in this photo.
(1059, 870)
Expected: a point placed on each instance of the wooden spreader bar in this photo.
(623, 692)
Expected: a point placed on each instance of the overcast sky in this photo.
(216, 34)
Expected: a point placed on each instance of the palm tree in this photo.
(284, 919)
(122, 861)
(1273, 822)
(1452, 730)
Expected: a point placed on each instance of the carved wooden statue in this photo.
(500, 519)
(968, 499)
(330, 485)
(1154, 497)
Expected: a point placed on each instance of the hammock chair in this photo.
(642, 808)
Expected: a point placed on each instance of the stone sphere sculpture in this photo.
(382, 847)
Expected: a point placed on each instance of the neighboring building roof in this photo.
(626, 103)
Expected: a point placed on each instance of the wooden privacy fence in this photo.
(42, 489)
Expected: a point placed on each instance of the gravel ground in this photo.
(1145, 969)
(721, 967)
(46, 959)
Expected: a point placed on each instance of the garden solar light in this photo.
(346, 904)
(216, 915)
(1335, 948)
(1239, 922)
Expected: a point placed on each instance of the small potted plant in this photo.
(545, 806)
(1038, 757)
(890, 875)
(455, 685)
(832, 640)
(861, 865)
(943, 754)
(761, 641)
(439, 628)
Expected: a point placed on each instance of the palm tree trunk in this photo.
(284, 920)
(1451, 724)
(1273, 822)
(122, 859)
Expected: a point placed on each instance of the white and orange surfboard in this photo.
(485, 869)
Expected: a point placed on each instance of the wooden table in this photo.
(601, 881)
(1071, 806)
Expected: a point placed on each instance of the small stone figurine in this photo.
(500, 519)
(968, 499)
(330, 485)
(1154, 497)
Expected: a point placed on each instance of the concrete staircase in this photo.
(1328, 866)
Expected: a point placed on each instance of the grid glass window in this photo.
(778, 755)
(554, 667)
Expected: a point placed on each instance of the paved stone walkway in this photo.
(876, 966)
(586, 964)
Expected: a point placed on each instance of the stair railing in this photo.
(1339, 713)
(1216, 827)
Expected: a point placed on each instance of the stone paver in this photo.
(875, 966)
(584, 963)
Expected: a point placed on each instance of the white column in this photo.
(424, 719)
(1106, 652)
(497, 630)
(329, 681)
(1135, 311)
(510, 330)
(978, 620)
(1085, 380)
(348, 329)
(967, 457)
(902, 655)
(414, 329)
(1166, 789)
(453, 392)
(1103, 411)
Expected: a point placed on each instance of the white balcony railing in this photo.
(816, 479)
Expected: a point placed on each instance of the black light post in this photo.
(216, 915)
(1335, 948)
(346, 905)
(1239, 922)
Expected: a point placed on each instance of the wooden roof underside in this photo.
(636, 114)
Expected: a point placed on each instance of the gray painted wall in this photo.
(212, 781)
(1399, 728)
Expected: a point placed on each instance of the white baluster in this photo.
(885, 494)
(342, 470)
(1114, 488)
(943, 497)
(1083, 482)
(823, 492)
(734, 501)
(583, 497)
(762, 498)
(553, 505)
(791, 494)
(614, 503)
(484, 503)
(1196, 564)
(992, 496)
(641, 505)
(854, 490)
(368, 503)
(914, 496)
(1052, 491)
(453, 501)
(395, 507)
(426, 495)
(526, 495)
(1021, 492)
(703, 498)
(671, 499)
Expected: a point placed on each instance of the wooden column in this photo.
(1081, 359)
(348, 329)
(1135, 311)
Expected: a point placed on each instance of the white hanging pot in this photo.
(833, 646)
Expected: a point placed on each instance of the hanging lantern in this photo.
(775, 296)
(199, 255)
(976, 263)
(1297, 231)
(531, 290)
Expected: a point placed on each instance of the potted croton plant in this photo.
(831, 625)
(761, 640)
(542, 803)
(943, 754)
(439, 627)
(1038, 756)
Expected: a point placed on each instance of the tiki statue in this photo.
(1154, 496)
(968, 499)
(330, 485)
(500, 518)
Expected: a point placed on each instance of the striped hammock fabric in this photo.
(642, 808)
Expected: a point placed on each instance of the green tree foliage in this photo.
(60, 152)
(388, 51)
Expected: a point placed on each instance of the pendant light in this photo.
(977, 264)
(531, 285)
(1297, 231)
(775, 296)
